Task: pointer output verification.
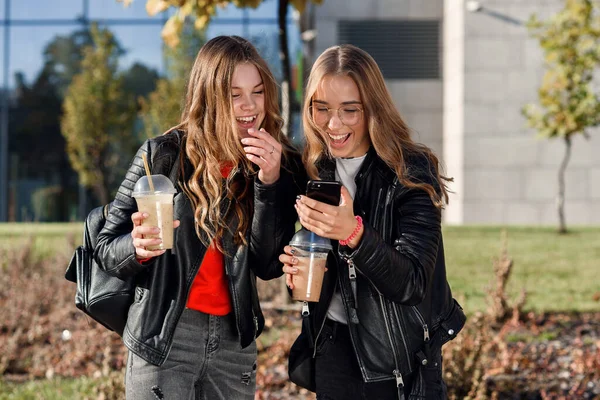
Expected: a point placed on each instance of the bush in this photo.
(43, 335)
(46, 203)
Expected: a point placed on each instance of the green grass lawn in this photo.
(49, 389)
(47, 237)
(559, 272)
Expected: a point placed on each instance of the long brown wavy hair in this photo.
(389, 134)
(212, 136)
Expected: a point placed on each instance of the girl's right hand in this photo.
(289, 265)
(140, 242)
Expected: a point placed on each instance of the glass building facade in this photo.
(37, 41)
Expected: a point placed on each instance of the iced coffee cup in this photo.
(311, 251)
(158, 204)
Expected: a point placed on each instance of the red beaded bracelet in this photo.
(354, 232)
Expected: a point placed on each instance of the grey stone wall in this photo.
(510, 175)
(472, 117)
(419, 101)
(453, 103)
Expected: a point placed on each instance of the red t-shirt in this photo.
(210, 291)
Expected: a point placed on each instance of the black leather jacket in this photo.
(163, 284)
(393, 284)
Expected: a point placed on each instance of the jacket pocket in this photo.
(413, 325)
(428, 383)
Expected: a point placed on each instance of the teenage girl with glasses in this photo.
(386, 307)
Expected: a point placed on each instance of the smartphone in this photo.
(328, 192)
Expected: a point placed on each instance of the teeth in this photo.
(246, 119)
(337, 137)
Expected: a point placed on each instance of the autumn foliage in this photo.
(527, 355)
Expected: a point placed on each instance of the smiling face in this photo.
(247, 93)
(338, 110)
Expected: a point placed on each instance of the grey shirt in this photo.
(345, 172)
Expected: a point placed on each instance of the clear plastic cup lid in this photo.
(311, 241)
(162, 185)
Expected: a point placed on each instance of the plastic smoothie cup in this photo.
(311, 250)
(158, 204)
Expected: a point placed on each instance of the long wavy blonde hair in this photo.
(389, 134)
(212, 138)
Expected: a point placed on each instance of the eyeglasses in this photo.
(349, 115)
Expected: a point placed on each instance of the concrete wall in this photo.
(419, 101)
(472, 117)
(508, 175)
(454, 114)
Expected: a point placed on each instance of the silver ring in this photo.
(272, 150)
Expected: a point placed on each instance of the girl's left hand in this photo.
(326, 220)
(263, 150)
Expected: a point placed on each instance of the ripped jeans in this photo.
(206, 362)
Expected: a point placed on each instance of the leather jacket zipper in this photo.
(320, 329)
(181, 311)
(305, 311)
(396, 372)
(423, 324)
(376, 216)
(254, 292)
(255, 318)
(395, 309)
(352, 277)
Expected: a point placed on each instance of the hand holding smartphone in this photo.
(328, 192)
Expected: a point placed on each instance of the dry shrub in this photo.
(499, 309)
(42, 333)
(469, 357)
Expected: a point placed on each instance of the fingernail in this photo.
(145, 215)
(298, 197)
(294, 260)
(293, 251)
(251, 130)
(294, 270)
(244, 140)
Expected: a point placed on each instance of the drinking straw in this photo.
(148, 172)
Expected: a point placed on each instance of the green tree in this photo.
(98, 116)
(139, 80)
(203, 11)
(62, 58)
(35, 140)
(162, 108)
(567, 105)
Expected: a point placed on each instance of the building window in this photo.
(404, 49)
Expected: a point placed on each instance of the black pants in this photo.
(338, 375)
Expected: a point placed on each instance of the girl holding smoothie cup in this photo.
(385, 306)
(191, 330)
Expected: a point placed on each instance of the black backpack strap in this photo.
(174, 171)
(174, 174)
